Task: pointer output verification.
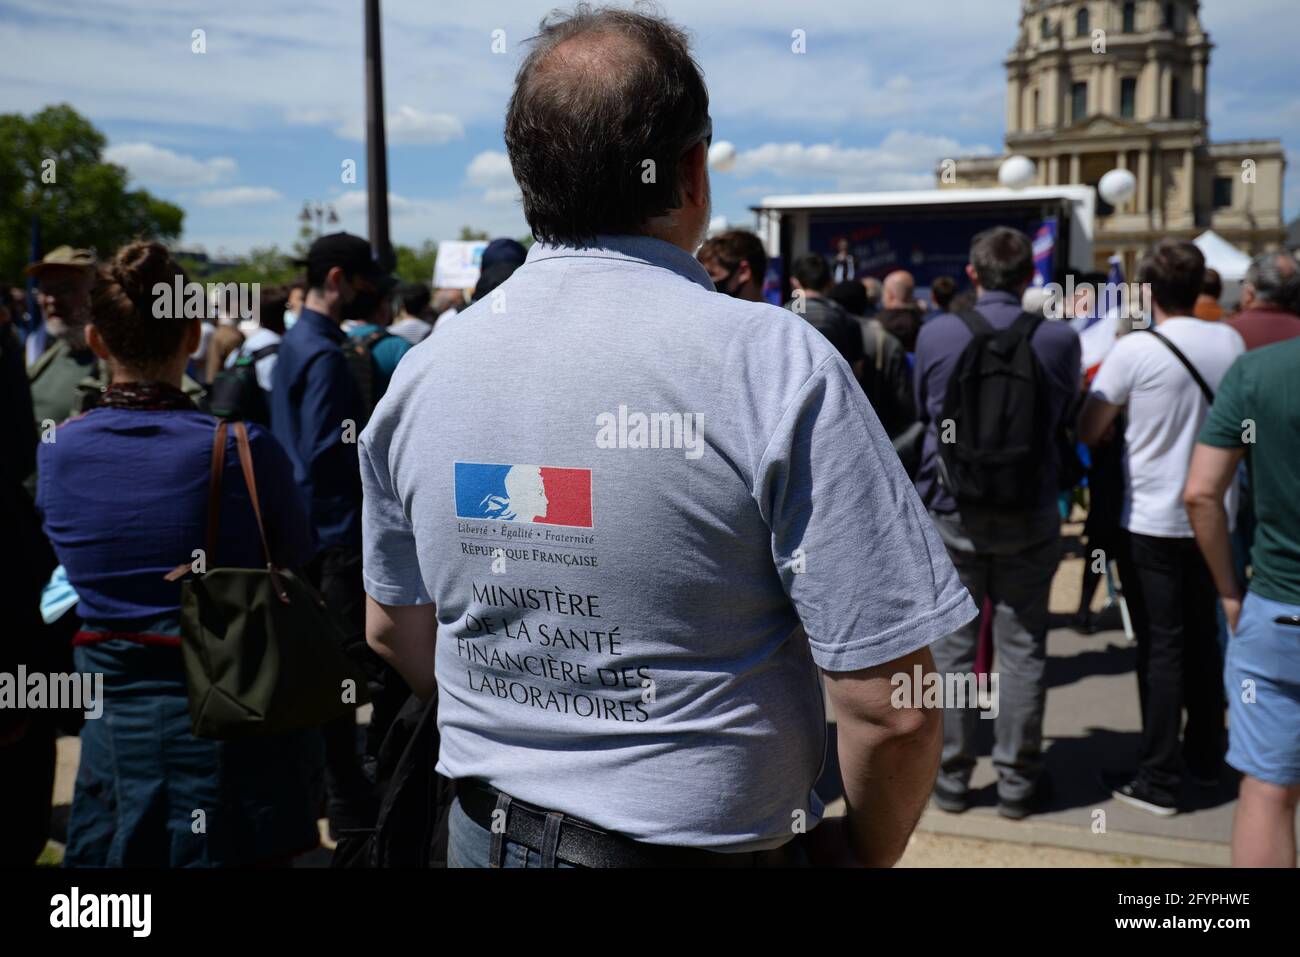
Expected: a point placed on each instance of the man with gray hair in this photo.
(1270, 300)
(629, 665)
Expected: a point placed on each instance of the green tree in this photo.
(469, 235)
(266, 265)
(80, 199)
(416, 264)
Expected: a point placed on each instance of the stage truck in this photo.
(926, 232)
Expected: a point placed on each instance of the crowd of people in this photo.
(626, 645)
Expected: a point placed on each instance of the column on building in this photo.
(1144, 182)
(1014, 96)
(1198, 83)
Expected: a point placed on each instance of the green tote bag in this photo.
(262, 652)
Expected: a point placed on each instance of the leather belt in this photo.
(580, 843)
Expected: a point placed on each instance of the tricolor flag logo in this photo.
(524, 493)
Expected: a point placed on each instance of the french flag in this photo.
(524, 493)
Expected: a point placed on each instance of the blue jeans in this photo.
(470, 845)
(150, 794)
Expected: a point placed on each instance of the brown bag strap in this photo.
(214, 503)
(214, 490)
(250, 481)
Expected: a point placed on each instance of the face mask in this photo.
(721, 284)
(290, 317)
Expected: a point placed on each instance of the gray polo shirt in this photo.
(647, 513)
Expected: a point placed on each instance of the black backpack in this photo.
(360, 355)
(997, 401)
(235, 394)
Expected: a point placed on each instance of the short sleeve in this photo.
(1114, 380)
(855, 549)
(390, 559)
(1225, 422)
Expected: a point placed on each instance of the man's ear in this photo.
(193, 336)
(97, 344)
(971, 274)
(335, 278)
(695, 175)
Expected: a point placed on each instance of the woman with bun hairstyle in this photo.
(123, 494)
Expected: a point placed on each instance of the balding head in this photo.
(1272, 279)
(606, 108)
(899, 290)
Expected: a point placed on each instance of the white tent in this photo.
(1230, 263)
(1220, 255)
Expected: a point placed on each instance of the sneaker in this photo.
(1136, 794)
(1036, 802)
(954, 802)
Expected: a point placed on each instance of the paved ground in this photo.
(1092, 723)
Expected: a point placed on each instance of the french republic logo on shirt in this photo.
(524, 493)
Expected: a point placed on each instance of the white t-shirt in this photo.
(256, 341)
(411, 329)
(1165, 412)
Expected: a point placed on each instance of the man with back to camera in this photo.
(1165, 377)
(316, 407)
(811, 279)
(1006, 551)
(1270, 298)
(625, 632)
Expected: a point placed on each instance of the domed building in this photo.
(1096, 85)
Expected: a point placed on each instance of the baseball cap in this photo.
(63, 256)
(351, 253)
(503, 251)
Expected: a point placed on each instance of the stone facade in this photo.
(1095, 85)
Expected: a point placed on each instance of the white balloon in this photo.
(722, 156)
(1017, 172)
(1117, 187)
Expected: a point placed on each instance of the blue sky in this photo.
(242, 134)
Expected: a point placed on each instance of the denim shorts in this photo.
(1262, 681)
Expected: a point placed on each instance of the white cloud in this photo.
(159, 166)
(489, 168)
(490, 171)
(239, 196)
(414, 220)
(406, 125)
(409, 125)
(903, 160)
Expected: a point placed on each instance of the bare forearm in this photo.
(405, 637)
(1210, 523)
(1208, 478)
(888, 771)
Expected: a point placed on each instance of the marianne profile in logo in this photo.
(525, 498)
(524, 493)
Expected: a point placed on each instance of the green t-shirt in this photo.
(1261, 392)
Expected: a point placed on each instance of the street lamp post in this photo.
(376, 148)
(318, 213)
